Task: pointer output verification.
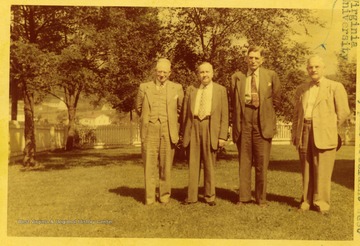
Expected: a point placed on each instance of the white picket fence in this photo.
(49, 137)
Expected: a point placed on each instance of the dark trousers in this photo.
(253, 150)
(200, 151)
(317, 166)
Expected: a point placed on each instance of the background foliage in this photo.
(68, 51)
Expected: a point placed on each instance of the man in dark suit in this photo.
(321, 106)
(158, 104)
(204, 130)
(254, 123)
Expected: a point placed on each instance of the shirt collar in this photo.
(317, 83)
(207, 86)
(158, 83)
(256, 73)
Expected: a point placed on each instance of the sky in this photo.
(330, 36)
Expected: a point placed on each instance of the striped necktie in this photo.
(254, 92)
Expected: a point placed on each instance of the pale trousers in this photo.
(201, 151)
(317, 166)
(158, 158)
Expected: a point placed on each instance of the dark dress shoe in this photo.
(243, 203)
(212, 203)
(187, 203)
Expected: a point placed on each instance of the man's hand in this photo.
(222, 142)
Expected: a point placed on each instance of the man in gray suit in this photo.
(321, 106)
(158, 104)
(254, 123)
(204, 129)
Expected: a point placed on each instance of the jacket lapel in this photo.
(323, 86)
(169, 91)
(215, 97)
(263, 84)
(240, 86)
(193, 99)
(305, 96)
(150, 92)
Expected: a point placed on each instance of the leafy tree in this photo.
(29, 40)
(77, 66)
(221, 36)
(133, 42)
(347, 75)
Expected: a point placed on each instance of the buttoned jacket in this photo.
(174, 99)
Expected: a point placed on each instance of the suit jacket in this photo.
(174, 99)
(269, 95)
(219, 116)
(330, 110)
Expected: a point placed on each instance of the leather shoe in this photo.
(187, 203)
(213, 203)
(242, 203)
(323, 212)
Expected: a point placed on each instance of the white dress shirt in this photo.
(313, 94)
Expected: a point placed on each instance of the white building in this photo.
(94, 120)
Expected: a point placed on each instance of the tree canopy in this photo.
(69, 51)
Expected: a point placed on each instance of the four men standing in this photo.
(321, 106)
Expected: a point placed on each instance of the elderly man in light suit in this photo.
(204, 129)
(158, 104)
(255, 96)
(321, 106)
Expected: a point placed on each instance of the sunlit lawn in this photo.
(99, 193)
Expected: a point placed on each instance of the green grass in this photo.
(78, 192)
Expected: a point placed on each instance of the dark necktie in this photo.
(254, 92)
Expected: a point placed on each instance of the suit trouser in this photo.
(159, 152)
(200, 150)
(317, 166)
(253, 150)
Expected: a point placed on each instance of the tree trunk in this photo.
(71, 128)
(29, 131)
(14, 107)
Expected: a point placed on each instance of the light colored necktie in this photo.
(202, 105)
(254, 92)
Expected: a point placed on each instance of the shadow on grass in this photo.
(138, 194)
(179, 194)
(60, 160)
(343, 173)
(232, 196)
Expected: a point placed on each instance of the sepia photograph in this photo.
(185, 123)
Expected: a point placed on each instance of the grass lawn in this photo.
(99, 193)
